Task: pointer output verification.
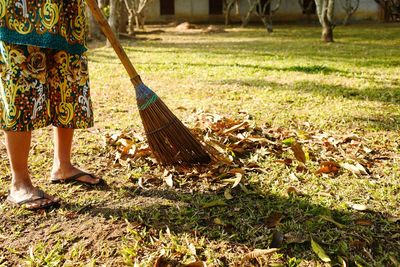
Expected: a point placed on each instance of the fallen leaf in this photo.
(227, 194)
(273, 220)
(257, 253)
(330, 219)
(289, 141)
(359, 207)
(296, 238)
(238, 179)
(328, 167)
(393, 219)
(235, 180)
(192, 249)
(319, 251)
(168, 180)
(293, 191)
(218, 221)
(298, 152)
(342, 262)
(293, 177)
(160, 262)
(196, 264)
(394, 260)
(364, 222)
(214, 203)
(358, 244)
(234, 128)
(357, 169)
(236, 170)
(140, 183)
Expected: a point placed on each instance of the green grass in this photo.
(287, 79)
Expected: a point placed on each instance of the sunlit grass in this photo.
(285, 79)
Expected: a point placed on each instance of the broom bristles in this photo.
(170, 141)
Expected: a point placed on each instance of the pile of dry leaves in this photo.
(239, 147)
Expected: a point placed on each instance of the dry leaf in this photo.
(214, 203)
(218, 221)
(364, 222)
(357, 169)
(289, 141)
(394, 260)
(235, 180)
(238, 179)
(192, 249)
(273, 220)
(330, 219)
(169, 181)
(329, 167)
(319, 251)
(293, 177)
(258, 252)
(393, 219)
(196, 264)
(359, 207)
(234, 128)
(140, 183)
(227, 194)
(342, 261)
(160, 262)
(296, 238)
(298, 152)
(293, 191)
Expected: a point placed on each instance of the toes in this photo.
(89, 179)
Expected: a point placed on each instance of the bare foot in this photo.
(31, 198)
(64, 175)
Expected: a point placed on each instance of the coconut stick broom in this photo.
(170, 141)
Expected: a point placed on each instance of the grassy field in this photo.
(340, 101)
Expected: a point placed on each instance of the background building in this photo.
(212, 11)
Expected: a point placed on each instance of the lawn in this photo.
(335, 107)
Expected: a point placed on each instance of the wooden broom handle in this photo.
(108, 32)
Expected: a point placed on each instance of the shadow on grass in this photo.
(379, 94)
(250, 219)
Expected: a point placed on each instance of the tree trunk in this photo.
(325, 12)
(123, 18)
(252, 7)
(350, 7)
(228, 5)
(113, 19)
(94, 30)
(327, 34)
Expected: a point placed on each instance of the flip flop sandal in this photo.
(74, 178)
(41, 195)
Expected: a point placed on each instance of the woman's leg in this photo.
(62, 166)
(18, 146)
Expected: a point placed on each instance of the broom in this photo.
(170, 141)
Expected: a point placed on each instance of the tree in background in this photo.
(136, 14)
(325, 12)
(228, 6)
(113, 17)
(390, 8)
(264, 9)
(308, 8)
(350, 7)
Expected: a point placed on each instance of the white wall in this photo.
(197, 11)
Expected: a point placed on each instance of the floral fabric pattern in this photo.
(41, 87)
(57, 24)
